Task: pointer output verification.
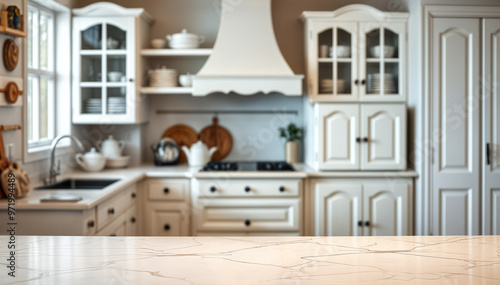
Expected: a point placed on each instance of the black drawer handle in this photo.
(91, 224)
(488, 154)
(132, 220)
(360, 223)
(247, 189)
(111, 211)
(213, 189)
(358, 140)
(133, 195)
(282, 189)
(247, 223)
(363, 82)
(356, 82)
(112, 235)
(365, 140)
(367, 223)
(166, 190)
(166, 227)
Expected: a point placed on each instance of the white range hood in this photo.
(246, 58)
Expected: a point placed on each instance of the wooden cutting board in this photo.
(215, 135)
(182, 135)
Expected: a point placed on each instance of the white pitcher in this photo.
(111, 148)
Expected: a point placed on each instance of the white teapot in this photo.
(111, 148)
(91, 161)
(199, 154)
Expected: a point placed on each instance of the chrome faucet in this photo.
(54, 171)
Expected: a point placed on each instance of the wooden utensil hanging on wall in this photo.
(12, 92)
(4, 161)
(215, 135)
(10, 54)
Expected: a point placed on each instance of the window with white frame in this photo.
(41, 77)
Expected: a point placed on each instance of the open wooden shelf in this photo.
(12, 32)
(166, 90)
(177, 52)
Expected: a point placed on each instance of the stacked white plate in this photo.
(163, 77)
(116, 105)
(374, 83)
(93, 106)
(326, 86)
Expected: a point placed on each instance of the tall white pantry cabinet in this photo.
(356, 83)
(464, 62)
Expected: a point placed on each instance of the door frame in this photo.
(427, 149)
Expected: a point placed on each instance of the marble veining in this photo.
(254, 260)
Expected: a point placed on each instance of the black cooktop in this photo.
(248, 166)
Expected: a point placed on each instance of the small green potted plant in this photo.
(292, 134)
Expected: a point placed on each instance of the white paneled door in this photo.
(491, 153)
(383, 136)
(338, 131)
(455, 92)
(338, 209)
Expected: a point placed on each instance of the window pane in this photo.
(29, 108)
(44, 105)
(45, 35)
(31, 35)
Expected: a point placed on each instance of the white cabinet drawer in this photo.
(115, 206)
(167, 223)
(248, 215)
(249, 188)
(168, 190)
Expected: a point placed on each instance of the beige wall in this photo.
(201, 17)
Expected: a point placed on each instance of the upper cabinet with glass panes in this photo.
(356, 53)
(106, 41)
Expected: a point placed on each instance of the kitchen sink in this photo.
(79, 184)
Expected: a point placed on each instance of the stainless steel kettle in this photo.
(166, 152)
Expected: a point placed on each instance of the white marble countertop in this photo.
(131, 175)
(253, 260)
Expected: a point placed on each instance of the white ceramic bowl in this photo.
(118, 162)
(388, 51)
(115, 76)
(158, 43)
(343, 51)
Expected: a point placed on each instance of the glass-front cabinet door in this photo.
(103, 72)
(334, 68)
(382, 62)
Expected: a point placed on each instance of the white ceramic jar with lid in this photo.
(184, 40)
(111, 148)
(91, 161)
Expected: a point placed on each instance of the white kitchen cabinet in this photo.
(124, 225)
(360, 137)
(351, 70)
(166, 207)
(355, 207)
(246, 206)
(107, 72)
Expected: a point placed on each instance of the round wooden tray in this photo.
(215, 135)
(10, 54)
(182, 135)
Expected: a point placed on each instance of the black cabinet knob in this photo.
(131, 79)
(356, 82)
(132, 220)
(247, 189)
(91, 224)
(365, 140)
(112, 235)
(213, 189)
(166, 190)
(133, 195)
(111, 211)
(363, 82)
(166, 227)
(367, 223)
(360, 223)
(247, 223)
(282, 189)
(358, 140)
